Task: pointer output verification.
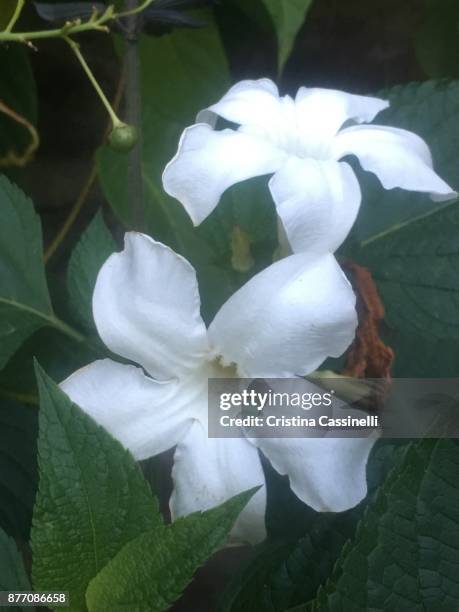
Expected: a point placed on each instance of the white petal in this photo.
(321, 112)
(146, 308)
(318, 202)
(147, 417)
(208, 471)
(208, 162)
(247, 102)
(287, 319)
(398, 158)
(328, 474)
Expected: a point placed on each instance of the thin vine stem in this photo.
(15, 16)
(76, 49)
(96, 22)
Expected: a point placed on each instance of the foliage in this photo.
(97, 531)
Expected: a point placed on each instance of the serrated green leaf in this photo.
(416, 269)
(431, 110)
(288, 17)
(12, 573)
(24, 300)
(287, 571)
(91, 501)
(93, 249)
(422, 356)
(151, 572)
(406, 550)
(406, 241)
(18, 432)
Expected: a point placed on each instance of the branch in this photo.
(97, 22)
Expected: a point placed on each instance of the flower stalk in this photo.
(76, 50)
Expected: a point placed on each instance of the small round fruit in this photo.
(123, 137)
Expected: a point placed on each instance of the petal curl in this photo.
(208, 471)
(398, 157)
(287, 319)
(317, 201)
(146, 308)
(321, 112)
(249, 102)
(147, 417)
(208, 162)
(328, 474)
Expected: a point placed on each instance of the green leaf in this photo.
(12, 573)
(18, 89)
(431, 110)
(406, 550)
(91, 501)
(284, 573)
(416, 271)
(151, 572)
(423, 356)
(18, 433)
(288, 17)
(24, 300)
(408, 241)
(93, 249)
(288, 570)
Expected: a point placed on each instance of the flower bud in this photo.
(123, 137)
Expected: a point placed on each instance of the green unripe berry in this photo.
(123, 137)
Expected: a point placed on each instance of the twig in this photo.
(13, 158)
(96, 22)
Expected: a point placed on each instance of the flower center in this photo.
(293, 133)
(299, 136)
(219, 370)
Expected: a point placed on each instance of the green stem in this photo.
(135, 9)
(76, 49)
(97, 23)
(77, 28)
(15, 16)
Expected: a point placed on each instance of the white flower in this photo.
(301, 141)
(285, 321)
